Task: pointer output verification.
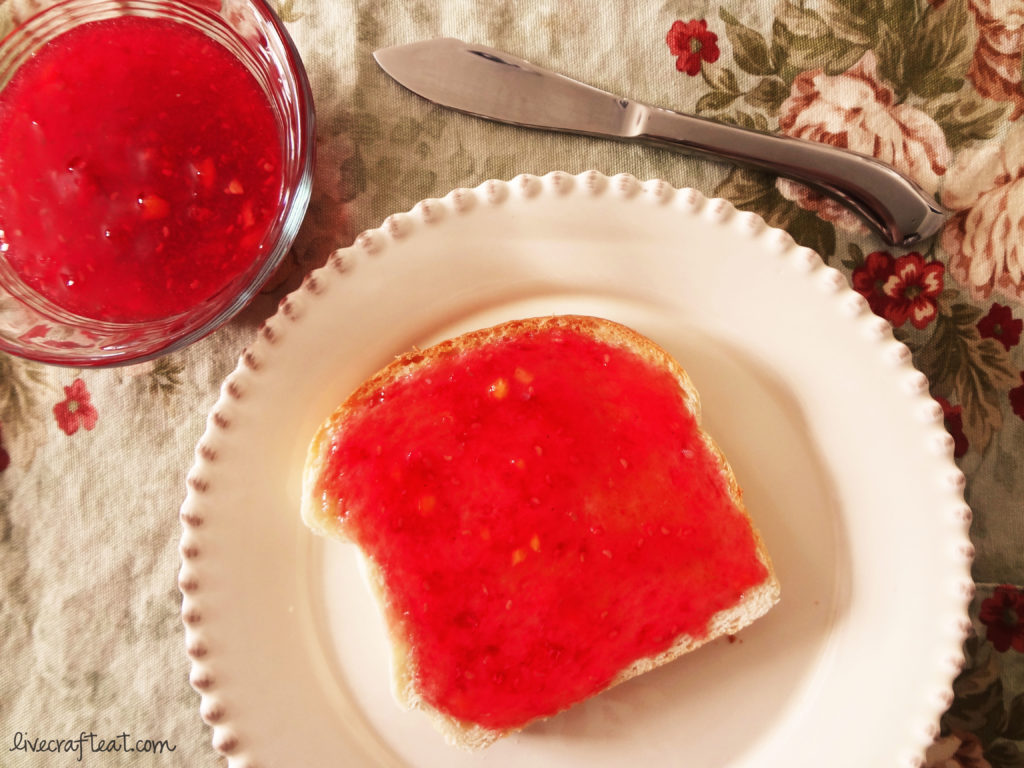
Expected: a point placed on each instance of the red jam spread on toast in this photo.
(544, 512)
(140, 167)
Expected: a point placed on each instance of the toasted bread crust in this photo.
(322, 514)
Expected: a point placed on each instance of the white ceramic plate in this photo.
(842, 454)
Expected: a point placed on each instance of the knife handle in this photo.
(895, 206)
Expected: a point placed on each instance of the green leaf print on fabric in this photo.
(405, 131)
(724, 89)
(20, 380)
(1015, 719)
(752, 190)
(715, 101)
(855, 257)
(802, 39)
(353, 181)
(966, 117)
(768, 94)
(285, 9)
(755, 121)
(165, 377)
(963, 367)
(362, 127)
(751, 51)
(401, 160)
(986, 716)
(943, 44)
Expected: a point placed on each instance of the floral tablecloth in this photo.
(93, 462)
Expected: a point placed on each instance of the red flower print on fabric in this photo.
(1017, 398)
(76, 409)
(900, 289)
(953, 416)
(869, 280)
(912, 290)
(5, 457)
(692, 43)
(1000, 324)
(1003, 615)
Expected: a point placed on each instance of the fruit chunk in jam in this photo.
(544, 511)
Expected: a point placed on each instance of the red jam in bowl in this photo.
(140, 168)
(544, 511)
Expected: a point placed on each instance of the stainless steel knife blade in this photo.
(492, 84)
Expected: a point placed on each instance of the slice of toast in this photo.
(539, 516)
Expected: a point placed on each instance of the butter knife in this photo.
(488, 83)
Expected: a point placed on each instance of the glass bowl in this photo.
(36, 325)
